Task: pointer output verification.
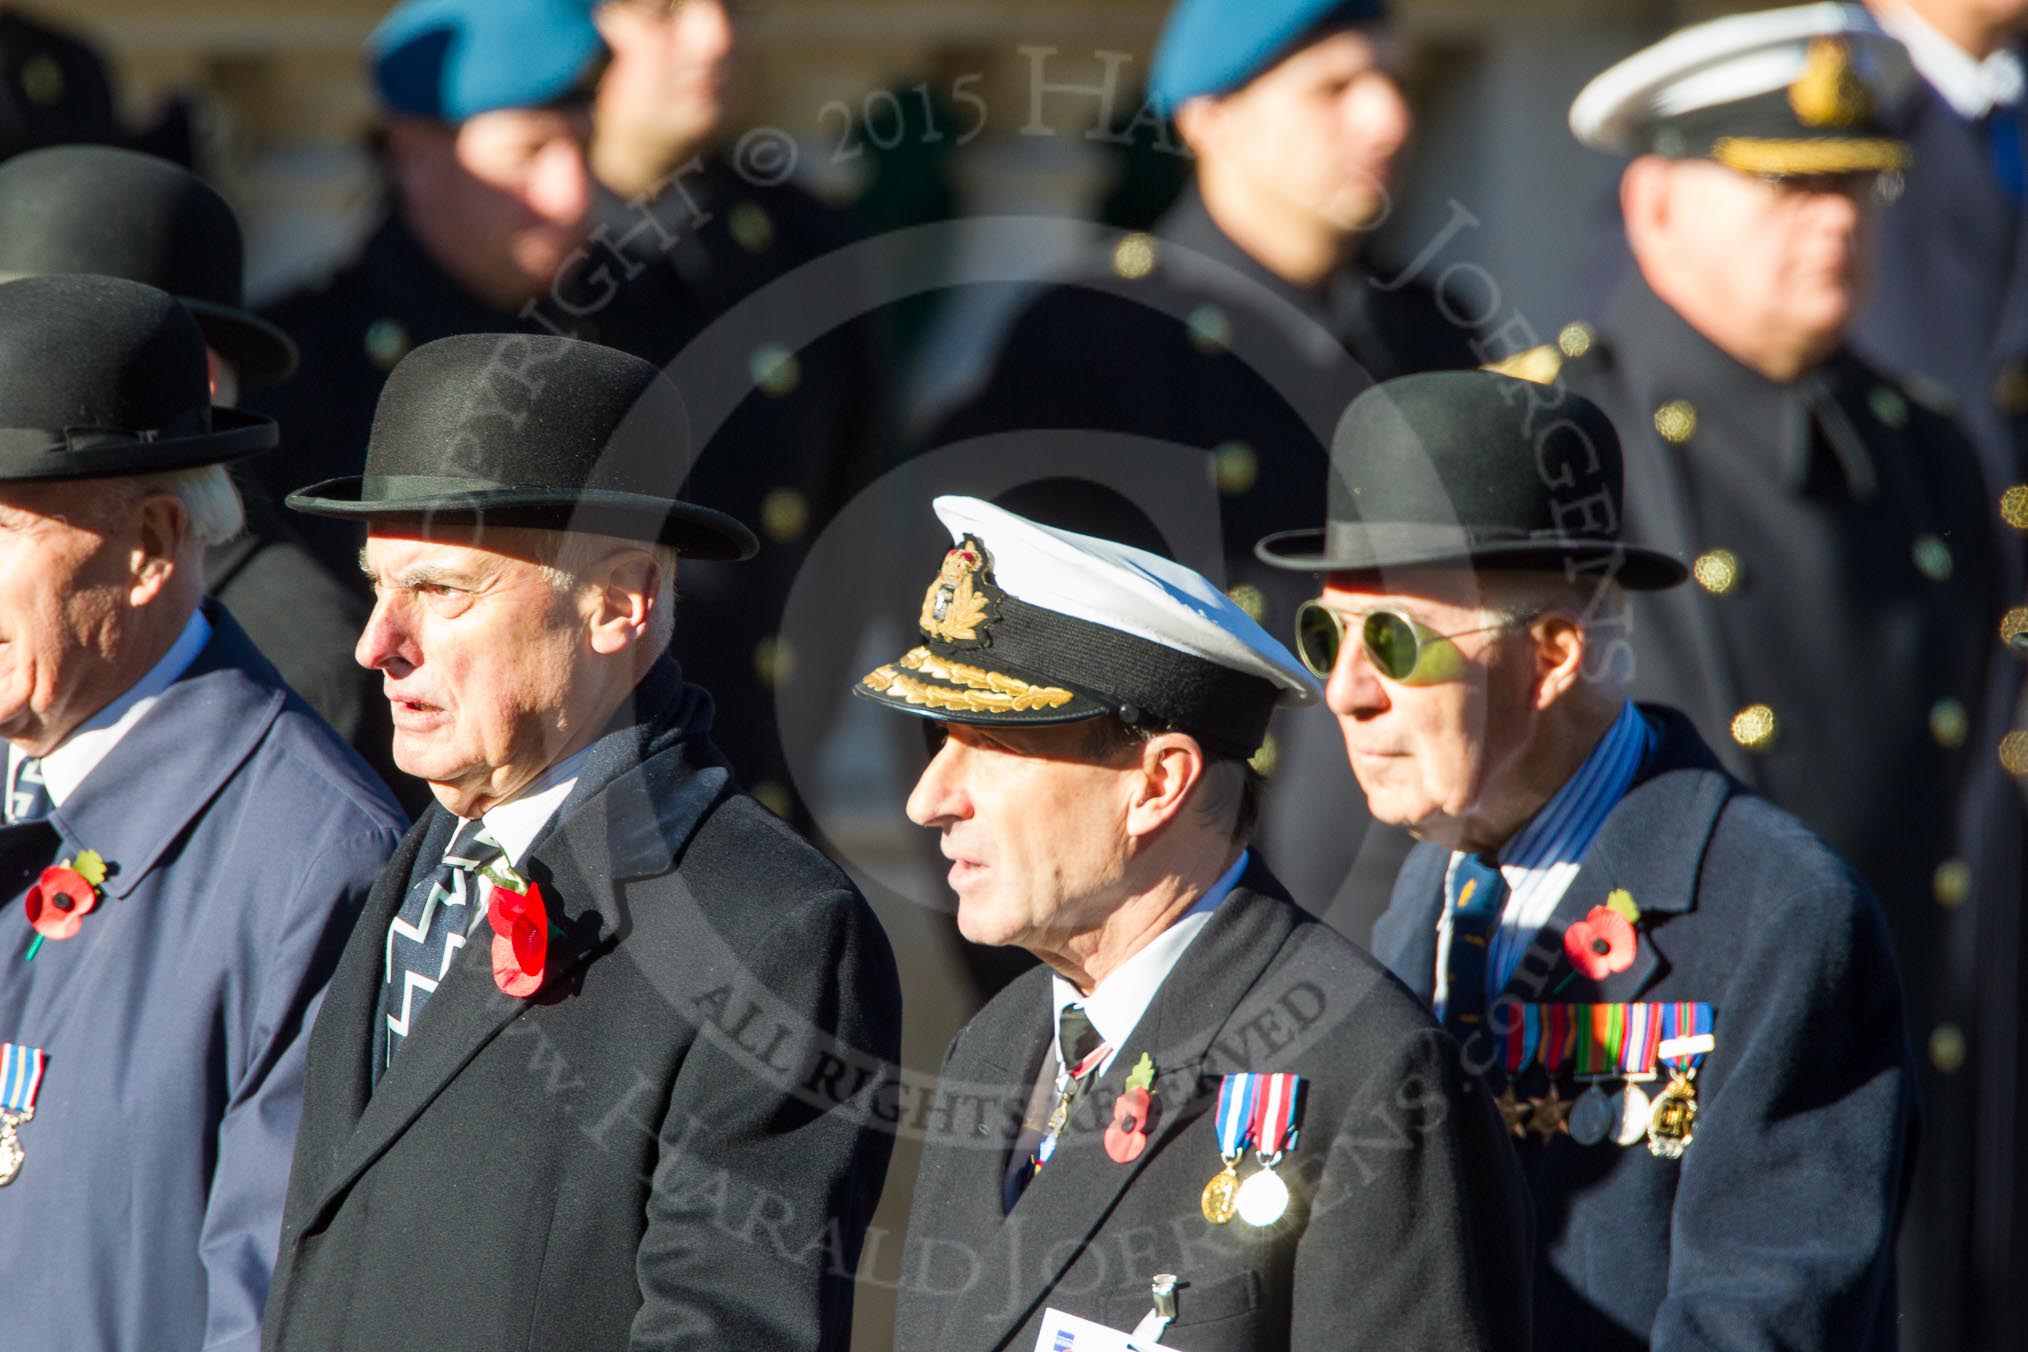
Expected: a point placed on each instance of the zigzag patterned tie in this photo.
(29, 799)
(1477, 896)
(424, 937)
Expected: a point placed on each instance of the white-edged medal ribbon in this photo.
(1234, 1122)
(21, 1070)
(1264, 1198)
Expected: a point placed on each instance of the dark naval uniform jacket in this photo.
(1776, 1227)
(242, 837)
(1407, 1225)
(1184, 340)
(668, 1145)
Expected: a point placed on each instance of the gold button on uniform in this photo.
(1676, 421)
(1250, 599)
(2010, 389)
(1888, 406)
(1754, 727)
(1947, 1048)
(1210, 329)
(1932, 557)
(2014, 506)
(784, 515)
(750, 227)
(1134, 256)
(774, 369)
(773, 661)
(2014, 753)
(387, 342)
(1574, 339)
(2014, 624)
(1234, 467)
(1948, 723)
(1717, 571)
(1953, 883)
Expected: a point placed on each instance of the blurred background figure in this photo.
(54, 88)
(484, 116)
(119, 213)
(1239, 327)
(726, 277)
(1837, 645)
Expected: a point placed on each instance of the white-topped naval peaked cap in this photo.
(1726, 61)
(1028, 623)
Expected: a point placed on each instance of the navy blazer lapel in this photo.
(1072, 1197)
(633, 827)
(1405, 939)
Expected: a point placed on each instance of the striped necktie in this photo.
(28, 798)
(425, 935)
(1475, 897)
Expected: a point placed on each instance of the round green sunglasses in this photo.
(1401, 648)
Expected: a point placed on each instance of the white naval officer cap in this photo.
(1781, 92)
(1030, 624)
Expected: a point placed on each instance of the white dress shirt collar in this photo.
(1119, 1001)
(516, 823)
(1970, 86)
(65, 768)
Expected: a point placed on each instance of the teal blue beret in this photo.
(1215, 46)
(454, 59)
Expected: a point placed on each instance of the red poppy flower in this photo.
(1600, 944)
(1127, 1137)
(59, 902)
(520, 923)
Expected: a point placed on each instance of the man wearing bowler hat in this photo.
(1689, 1005)
(1208, 1120)
(117, 213)
(604, 1062)
(184, 845)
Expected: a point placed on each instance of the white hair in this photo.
(568, 555)
(207, 493)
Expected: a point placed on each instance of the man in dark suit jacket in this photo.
(600, 1063)
(1691, 1006)
(184, 846)
(1110, 1140)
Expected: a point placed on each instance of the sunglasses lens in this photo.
(1390, 642)
(1317, 638)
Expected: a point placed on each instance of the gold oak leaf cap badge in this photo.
(1829, 93)
(960, 606)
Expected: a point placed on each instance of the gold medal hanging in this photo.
(1220, 1202)
(1686, 1039)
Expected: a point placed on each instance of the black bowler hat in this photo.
(1462, 468)
(123, 214)
(531, 430)
(102, 378)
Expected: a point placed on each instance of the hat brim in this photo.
(695, 532)
(234, 435)
(947, 690)
(1309, 551)
(260, 353)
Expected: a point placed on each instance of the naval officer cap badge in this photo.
(1027, 623)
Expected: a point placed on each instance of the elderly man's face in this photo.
(482, 656)
(1428, 755)
(1035, 831)
(66, 587)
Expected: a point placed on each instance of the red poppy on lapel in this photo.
(1127, 1137)
(1600, 944)
(63, 896)
(520, 923)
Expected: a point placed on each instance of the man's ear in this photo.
(160, 524)
(1171, 767)
(1560, 645)
(619, 599)
(1645, 201)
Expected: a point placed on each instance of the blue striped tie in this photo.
(1476, 896)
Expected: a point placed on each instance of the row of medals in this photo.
(1626, 1117)
(1260, 1201)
